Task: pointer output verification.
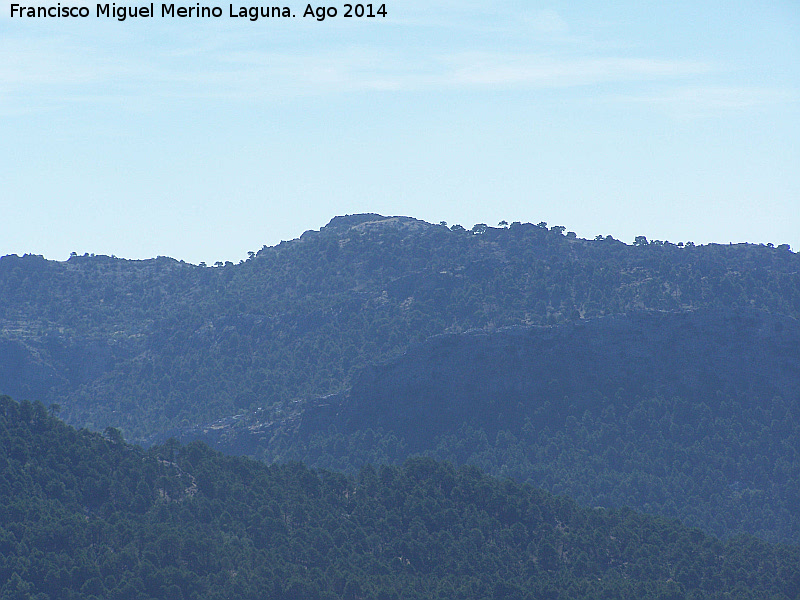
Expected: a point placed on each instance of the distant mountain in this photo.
(694, 415)
(85, 516)
(160, 345)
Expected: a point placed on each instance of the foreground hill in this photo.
(85, 516)
(688, 415)
(152, 345)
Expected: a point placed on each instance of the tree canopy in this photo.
(86, 516)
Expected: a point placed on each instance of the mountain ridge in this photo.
(157, 339)
(238, 353)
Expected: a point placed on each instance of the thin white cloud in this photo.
(545, 21)
(699, 101)
(48, 70)
(24, 63)
(546, 71)
(251, 75)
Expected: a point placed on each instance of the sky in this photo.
(203, 139)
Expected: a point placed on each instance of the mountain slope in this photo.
(690, 415)
(83, 516)
(152, 345)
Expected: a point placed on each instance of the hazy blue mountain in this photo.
(153, 345)
(693, 415)
(653, 375)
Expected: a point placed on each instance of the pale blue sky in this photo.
(203, 139)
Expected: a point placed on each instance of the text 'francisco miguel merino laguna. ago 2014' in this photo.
(121, 13)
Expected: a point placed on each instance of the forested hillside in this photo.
(653, 375)
(154, 345)
(87, 516)
(692, 415)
